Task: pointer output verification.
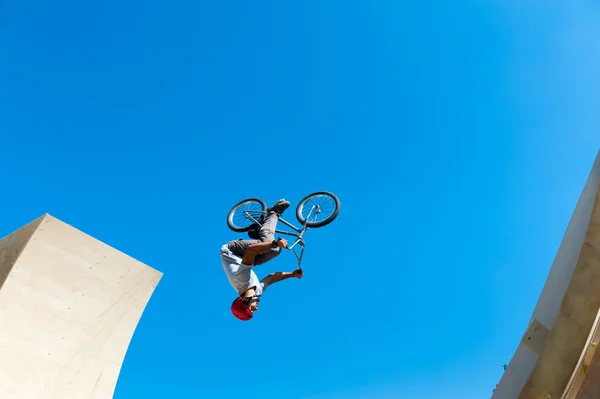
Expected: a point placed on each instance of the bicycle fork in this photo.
(300, 239)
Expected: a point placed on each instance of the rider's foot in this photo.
(279, 207)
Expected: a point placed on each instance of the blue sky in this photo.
(458, 136)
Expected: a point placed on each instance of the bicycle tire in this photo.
(238, 228)
(325, 221)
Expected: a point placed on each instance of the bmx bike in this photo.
(316, 210)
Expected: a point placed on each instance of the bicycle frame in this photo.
(298, 233)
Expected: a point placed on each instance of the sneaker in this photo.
(279, 206)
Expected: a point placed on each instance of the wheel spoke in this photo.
(324, 204)
(243, 212)
(328, 210)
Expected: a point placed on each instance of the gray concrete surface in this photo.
(561, 321)
(69, 305)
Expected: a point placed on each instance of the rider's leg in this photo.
(267, 231)
(267, 234)
(255, 230)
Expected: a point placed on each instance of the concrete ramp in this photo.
(69, 305)
(557, 349)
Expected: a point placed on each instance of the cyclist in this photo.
(238, 258)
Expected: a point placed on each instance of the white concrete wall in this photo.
(68, 310)
(554, 290)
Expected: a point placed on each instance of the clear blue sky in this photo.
(458, 136)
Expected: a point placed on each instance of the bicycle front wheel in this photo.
(240, 217)
(318, 209)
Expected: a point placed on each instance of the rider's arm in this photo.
(259, 248)
(279, 276)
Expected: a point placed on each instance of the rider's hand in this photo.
(282, 243)
(298, 273)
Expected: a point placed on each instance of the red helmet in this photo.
(241, 310)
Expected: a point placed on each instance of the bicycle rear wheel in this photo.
(239, 218)
(318, 209)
